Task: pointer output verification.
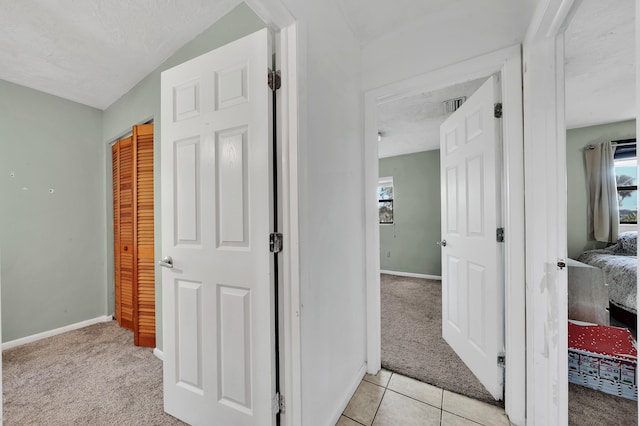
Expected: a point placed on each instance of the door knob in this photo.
(166, 261)
(442, 243)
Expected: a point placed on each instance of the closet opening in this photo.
(133, 234)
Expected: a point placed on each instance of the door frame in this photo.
(289, 47)
(546, 207)
(507, 62)
(290, 50)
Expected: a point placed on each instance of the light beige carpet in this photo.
(91, 376)
(589, 407)
(412, 345)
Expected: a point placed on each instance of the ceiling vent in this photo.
(453, 104)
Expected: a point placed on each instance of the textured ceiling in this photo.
(372, 19)
(599, 83)
(412, 124)
(600, 63)
(94, 51)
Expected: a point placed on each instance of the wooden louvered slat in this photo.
(115, 168)
(126, 237)
(133, 207)
(144, 291)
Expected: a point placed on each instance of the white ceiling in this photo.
(412, 124)
(600, 63)
(599, 81)
(94, 51)
(370, 19)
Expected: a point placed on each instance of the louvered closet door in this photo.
(115, 168)
(125, 247)
(144, 315)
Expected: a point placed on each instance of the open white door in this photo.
(216, 208)
(472, 279)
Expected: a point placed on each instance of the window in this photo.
(385, 200)
(627, 185)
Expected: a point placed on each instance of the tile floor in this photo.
(392, 399)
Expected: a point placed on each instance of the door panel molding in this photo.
(474, 287)
(218, 298)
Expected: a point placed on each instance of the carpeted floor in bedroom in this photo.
(91, 376)
(96, 376)
(412, 345)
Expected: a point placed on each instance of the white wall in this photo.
(331, 211)
(464, 30)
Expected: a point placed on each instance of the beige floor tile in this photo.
(380, 379)
(364, 403)
(417, 390)
(346, 421)
(397, 409)
(472, 409)
(449, 419)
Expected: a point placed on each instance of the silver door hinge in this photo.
(275, 242)
(497, 110)
(502, 359)
(273, 79)
(500, 235)
(278, 404)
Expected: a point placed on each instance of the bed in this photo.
(619, 263)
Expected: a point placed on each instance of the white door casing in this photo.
(472, 274)
(546, 212)
(216, 215)
(508, 63)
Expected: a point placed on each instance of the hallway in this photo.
(388, 399)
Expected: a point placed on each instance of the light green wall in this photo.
(577, 139)
(409, 245)
(53, 244)
(142, 103)
(57, 248)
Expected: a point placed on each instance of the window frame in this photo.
(627, 162)
(386, 182)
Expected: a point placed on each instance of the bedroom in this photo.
(601, 211)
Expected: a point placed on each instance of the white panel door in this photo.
(472, 279)
(217, 300)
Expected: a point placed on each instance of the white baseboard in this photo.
(159, 354)
(349, 395)
(45, 334)
(412, 275)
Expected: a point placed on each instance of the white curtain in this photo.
(604, 215)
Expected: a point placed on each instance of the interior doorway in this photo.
(508, 63)
(602, 267)
(409, 195)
